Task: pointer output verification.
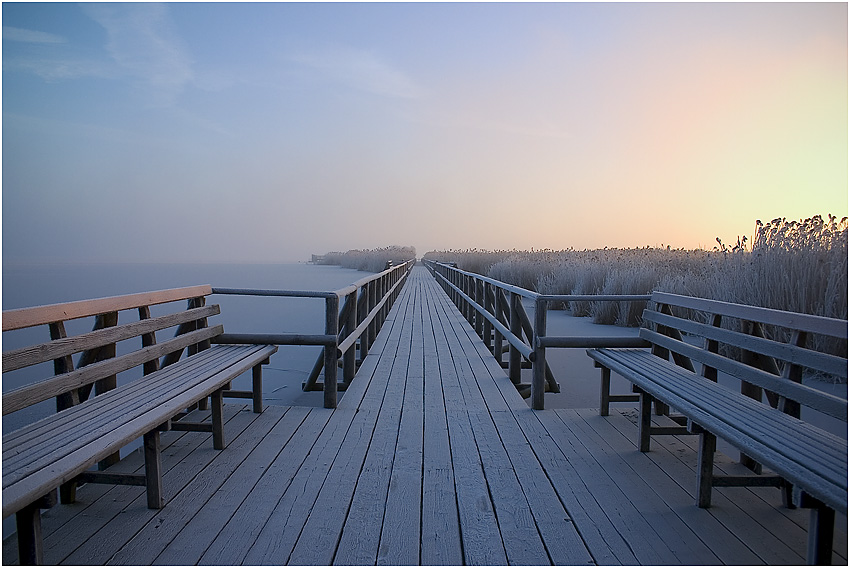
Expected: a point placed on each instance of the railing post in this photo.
(488, 306)
(497, 336)
(479, 299)
(331, 328)
(453, 278)
(349, 358)
(514, 356)
(538, 366)
(372, 286)
(470, 293)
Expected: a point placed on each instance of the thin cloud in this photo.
(30, 36)
(56, 67)
(362, 70)
(141, 42)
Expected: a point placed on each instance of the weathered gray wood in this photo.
(330, 352)
(149, 338)
(275, 431)
(108, 516)
(789, 320)
(813, 398)
(153, 470)
(604, 513)
(276, 541)
(28, 395)
(275, 339)
(59, 429)
(28, 317)
(538, 369)
(705, 468)
(251, 514)
(61, 364)
(758, 525)
(790, 352)
(588, 493)
(29, 533)
(767, 425)
(219, 441)
(366, 448)
(112, 478)
(401, 531)
(768, 449)
(149, 542)
(683, 540)
(65, 429)
(441, 542)
(257, 386)
(664, 475)
(141, 532)
(67, 465)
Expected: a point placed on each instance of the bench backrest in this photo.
(764, 348)
(97, 363)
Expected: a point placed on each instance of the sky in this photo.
(218, 132)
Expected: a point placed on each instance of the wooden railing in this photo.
(365, 305)
(496, 312)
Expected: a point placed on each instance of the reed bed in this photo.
(372, 260)
(798, 266)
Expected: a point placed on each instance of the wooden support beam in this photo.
(153, 470)
(217, 420)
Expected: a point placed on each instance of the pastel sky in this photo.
(270, 131)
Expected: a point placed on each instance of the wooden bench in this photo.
(158, 385)
(768, 352)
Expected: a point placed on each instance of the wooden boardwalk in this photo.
(431, 458)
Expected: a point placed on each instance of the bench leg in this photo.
(705, 468)
(821, 528)
(30, 544)
(257, 384)
(28, 523)
(68, 493)
(605, 391)
(153, 470)
(645, 420)
(217, 419)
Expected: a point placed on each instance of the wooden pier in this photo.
(432, 457)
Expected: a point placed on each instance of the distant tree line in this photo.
(373, 260)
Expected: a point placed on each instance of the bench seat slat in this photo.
(35, 354)
(806, 395)
(49, 388)
(83, 412)
(62, 429)
(831, 489)
(786, 352)
(800, 440)
(103, 414)
(65, 468)
(39, 315)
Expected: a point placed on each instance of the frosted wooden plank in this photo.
(132, 514)
(207, 495)
(661, 475)
(682, 540)
(233, 541)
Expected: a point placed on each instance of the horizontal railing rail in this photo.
(496, 312)
(365, 306)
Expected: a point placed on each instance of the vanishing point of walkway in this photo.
(431, 458)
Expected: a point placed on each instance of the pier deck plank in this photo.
(431, 458)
